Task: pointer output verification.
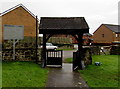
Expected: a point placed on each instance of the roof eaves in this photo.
(3, 13)
(11, 9)
(97, 28)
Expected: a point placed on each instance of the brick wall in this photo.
(20, 16)
(103, 35)
(0, 30)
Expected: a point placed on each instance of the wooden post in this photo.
(13, 49)
(36, 38)
(80, 43)
(44, 51)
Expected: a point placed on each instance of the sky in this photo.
(96, 12)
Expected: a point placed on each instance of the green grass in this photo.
(23, 74)
(68, 60)
(0, 74)
(105, 75)
(66, 49)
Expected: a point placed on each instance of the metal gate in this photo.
(54, 57)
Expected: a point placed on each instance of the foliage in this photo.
(59, 40)
(66, 49)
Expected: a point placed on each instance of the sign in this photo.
(13, 32)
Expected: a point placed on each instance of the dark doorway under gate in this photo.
(74, 26)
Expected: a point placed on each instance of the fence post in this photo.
(36, 38)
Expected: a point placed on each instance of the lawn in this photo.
(0, 74)
(23, 74)
(105, 75)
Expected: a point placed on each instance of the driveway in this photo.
(68, 54)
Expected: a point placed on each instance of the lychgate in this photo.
(75, 26)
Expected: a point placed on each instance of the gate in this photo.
(54, 57)
(75, 60)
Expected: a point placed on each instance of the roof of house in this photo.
(48, 24)
(114, 28)
(13, 8)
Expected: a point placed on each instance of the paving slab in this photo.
(65, 77)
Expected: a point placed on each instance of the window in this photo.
(116, 35)
(103, 35)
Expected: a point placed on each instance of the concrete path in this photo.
(65, 77)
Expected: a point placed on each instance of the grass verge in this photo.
(105, 75)
(23, 74)
(66, 49)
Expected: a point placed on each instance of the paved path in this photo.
(65, 77)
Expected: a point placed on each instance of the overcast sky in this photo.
(96, 12)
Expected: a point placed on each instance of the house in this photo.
(107, 34)
(19, 15)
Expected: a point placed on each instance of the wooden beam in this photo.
(44, 51)
(80, 43)
(47, 38)
(36, 38)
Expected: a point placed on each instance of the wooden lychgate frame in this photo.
(74, 26)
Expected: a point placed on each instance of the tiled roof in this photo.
(114, 28)
(63, 23)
